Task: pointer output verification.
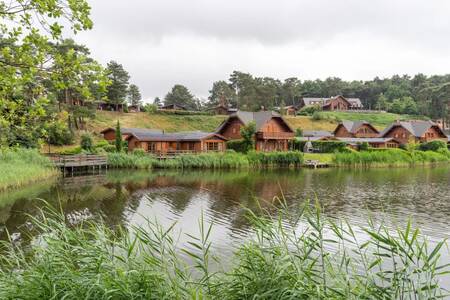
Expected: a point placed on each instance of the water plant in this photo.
(290, 255)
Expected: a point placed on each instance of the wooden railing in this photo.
(275, 135)
(82, 160)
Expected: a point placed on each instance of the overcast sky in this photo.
(197, 42)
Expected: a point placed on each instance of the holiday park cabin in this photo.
(414, 131)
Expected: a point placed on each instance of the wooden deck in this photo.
(74, 163)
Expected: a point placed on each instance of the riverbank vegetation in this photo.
(322, 259)
(390, 158)
(19, 167)
(226, 160)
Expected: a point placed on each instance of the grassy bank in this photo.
(19, 167)
(390, 158)
(323, 260)
(227, 160)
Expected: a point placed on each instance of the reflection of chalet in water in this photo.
(415, 131)
(272, 131)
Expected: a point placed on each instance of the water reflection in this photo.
(124, 198)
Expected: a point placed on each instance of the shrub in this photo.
(237, 145)
(318, 116)
(86, 143)
(59, 134)
(433, 146)
(363, 146)
(271, 159)
(309, 110)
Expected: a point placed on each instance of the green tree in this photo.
(86, 143)
(221, 93)
(118, 89)
(118, 140)
(180, 95)
(282, 108)
(248, 135)
(157, 101)
(134, 95)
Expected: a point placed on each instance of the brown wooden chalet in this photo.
(109, 134)
(333, 103)
(272, 131)
(414, 131)
(358, 129)
(291, 110)
(173, 107)
(176, 143)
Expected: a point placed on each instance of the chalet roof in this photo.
(416, 128)
(173, 106)
(353, 126)
(175, 136)
(260, 118)
(365, 140)
(133, 130)
(316, 133)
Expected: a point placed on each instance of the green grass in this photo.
(321, 157)
(326, 259)
(226, 160)
(390, 158)
(19, 167)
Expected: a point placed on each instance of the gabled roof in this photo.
(133, 130)
(353, 126)
(260, 118)
(354, 102)
(416, 128)
(175, 136)
(316, 133)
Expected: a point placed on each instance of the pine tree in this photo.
(119, 143)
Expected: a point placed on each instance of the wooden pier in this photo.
(315, 164)
(81, 162)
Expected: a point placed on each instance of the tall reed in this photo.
(289, 256)
(19, 167)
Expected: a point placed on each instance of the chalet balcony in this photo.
(274, 135)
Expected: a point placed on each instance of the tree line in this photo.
(417, 95)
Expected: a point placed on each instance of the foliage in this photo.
(275, 159)
(59, 134)
(309, 110)
(388, 157)
(364, 146)
(134, 95)
(240, 145)
(86, 142)
(321, 146)
(118, 138)
(248, 132)
(117, 91)
(221, 93)
(19, 167)
(433, 146)
(298, 132)
(150, 108)
(327, 259)
(180, 95)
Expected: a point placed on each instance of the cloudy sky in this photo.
(196, 42)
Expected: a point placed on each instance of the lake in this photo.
(128, 197)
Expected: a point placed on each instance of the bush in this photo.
(59, 134)
(318, 116)
(237, 145)
(86, 143)
(433, 146)
(363, 146)
(275, 159)
(322, 146)
(309, 110)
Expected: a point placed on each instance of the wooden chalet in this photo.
(358, 129)
(173, 107)
(333, 103)
(176, 143)
(354, 143)
(414, 131)
(109, 134)
(222, 110)
(291, 110)
(272, 131)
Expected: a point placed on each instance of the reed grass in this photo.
(389, 158)
(290, 256)
(226, 160)
(19, 167)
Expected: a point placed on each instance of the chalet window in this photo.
(212, 146)
(152, 147)
(233, 130)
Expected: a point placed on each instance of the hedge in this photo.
(237, 145)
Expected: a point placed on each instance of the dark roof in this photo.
(316, 133)
(367, 140)
(176, 136)
(173, 106)
(260, 118)
(416, 128)
(353, 126)
(133, 130)
(355, 102)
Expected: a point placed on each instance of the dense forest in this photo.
(420, 94)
